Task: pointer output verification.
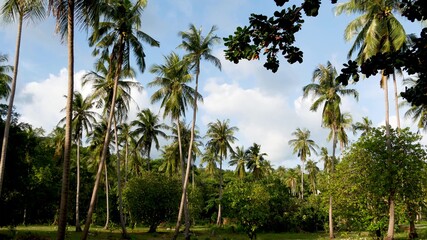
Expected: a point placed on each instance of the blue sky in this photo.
(266, 107)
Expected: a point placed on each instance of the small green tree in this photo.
(365, 178)
(152, 199)
(248, 202)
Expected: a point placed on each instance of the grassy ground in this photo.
(199, 233)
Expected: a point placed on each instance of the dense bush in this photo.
(152, 199)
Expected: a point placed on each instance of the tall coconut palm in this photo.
(312, 170)
(256, 160)
(96, 140)
(221, 136)
(303, 146)
(328, 92)
(198, 47)
(83, 118)
(147, 128)
(376, 30)
(239, 158)
(11, 11)
(116, 37)
(174, 93)
(365, 126)
(66, 12)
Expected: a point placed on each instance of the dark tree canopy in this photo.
(275, 35)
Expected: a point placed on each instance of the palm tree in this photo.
(326, 159)
(170, 158)
(377, 31)
(174, 93)
(210, 157)
(87, 14)
(96, 140)
(82, 120)
(198, 47)
(148, 127)
(292, 181)
(344, 122)
(303, 146)
(418, 114)
(20, 9)
(329, 92)
(239, 158)
(256, 160)
(365, 126)
(119, 33)
(312, 170)
(5, 79)
(221, 136)
(125, 137)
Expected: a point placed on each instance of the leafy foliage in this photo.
(152, 199)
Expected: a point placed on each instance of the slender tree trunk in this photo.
(390, 230)
(219, 217)
(107, 194)
(396, 100)
(148, 157)
(126, 162)
(331, 220)
(69, 108)
(10, 106)
(106, 141)
(302, 178)
(119, 182)
(190, 150)
(78, 228)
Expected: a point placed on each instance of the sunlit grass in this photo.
(198, 233)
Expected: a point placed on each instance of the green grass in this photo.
(199, 233)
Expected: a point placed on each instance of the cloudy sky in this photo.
(266, 107)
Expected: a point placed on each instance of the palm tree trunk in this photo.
(78, 228)
(107, 192)
(119, 181)
(67, 144)
(302, 178)
(190, 150)
(126, 162)
(219, 217)
(10, 106)
(106, 141)
(334, 147)
(396, 100)
(390, 231)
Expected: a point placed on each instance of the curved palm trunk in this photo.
(10, 106)
(107, 192)
(390, 231)
(119, 181)
(67, 144)
(219, 217)
(106, 142)
(78, 228)
(396, 100)
(190, 149)
(182, 164)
